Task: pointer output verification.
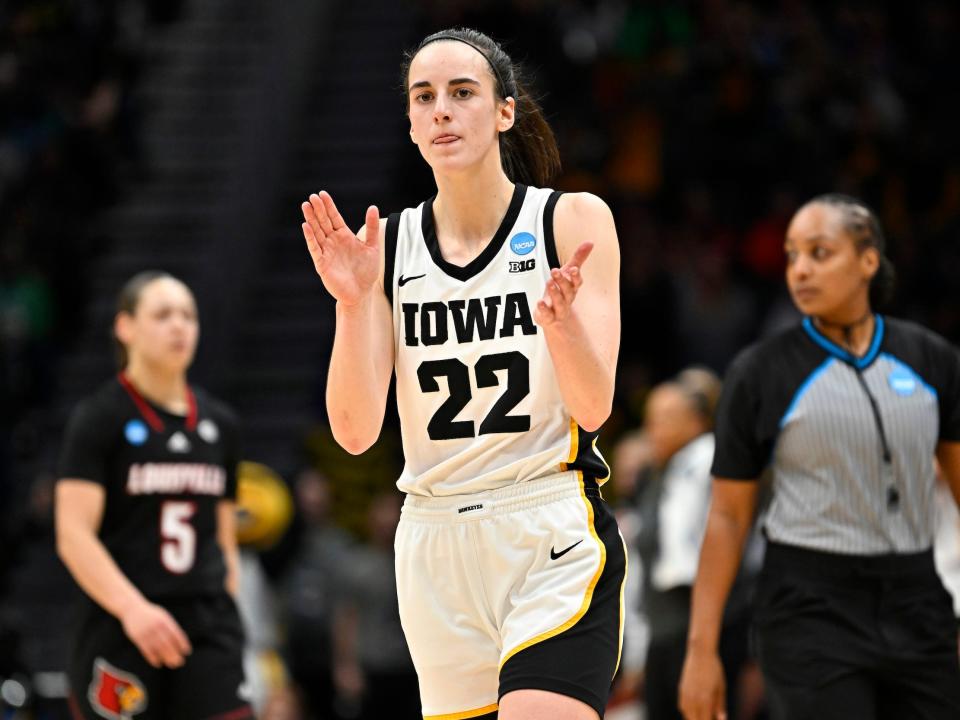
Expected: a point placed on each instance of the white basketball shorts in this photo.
(515, 588)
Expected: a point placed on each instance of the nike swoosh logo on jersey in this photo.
(404, 280)
(556, 555)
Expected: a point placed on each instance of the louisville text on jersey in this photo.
(176, 479)
(472, 319)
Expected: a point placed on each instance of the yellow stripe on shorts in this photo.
(587, 597)
(465, 714)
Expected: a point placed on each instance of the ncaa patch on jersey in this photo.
(208, 431)
(136, 432)
(523, 243)
(903, 382)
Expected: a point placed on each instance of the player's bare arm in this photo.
(227, 540)
(580, 308)
(79, 510)
(948, 454)
(351, 268)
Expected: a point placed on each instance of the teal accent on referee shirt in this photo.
(801, 391)
(838, 352)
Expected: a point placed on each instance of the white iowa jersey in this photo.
(479, 403)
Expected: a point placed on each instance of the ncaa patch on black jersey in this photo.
(519, 266)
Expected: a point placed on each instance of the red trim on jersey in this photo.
(191, 410)
(153, 420)
(241, 713)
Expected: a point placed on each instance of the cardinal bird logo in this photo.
(114, 694)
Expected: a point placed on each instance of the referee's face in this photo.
(827, 275)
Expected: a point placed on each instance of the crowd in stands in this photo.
(704, 125)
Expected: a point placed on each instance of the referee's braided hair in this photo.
(127, 301)
(862, 225)
(528, 150)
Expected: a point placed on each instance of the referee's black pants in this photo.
(847, 637)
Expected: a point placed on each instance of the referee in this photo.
(848, 410)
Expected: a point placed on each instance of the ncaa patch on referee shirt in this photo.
(902, 381)
(523, 243)
(136, 432)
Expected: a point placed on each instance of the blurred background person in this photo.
(311, 587)
(264, 513)
(946, 545)
(145, 522)
(373, 672)
(673, 498)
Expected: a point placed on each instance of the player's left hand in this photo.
(556, 304)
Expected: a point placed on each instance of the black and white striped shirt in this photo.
(850, 440)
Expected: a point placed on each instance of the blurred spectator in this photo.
(373, 670)
(36, 607)
(946, 543)
(310, 589)
(264, 510)
(672, 498)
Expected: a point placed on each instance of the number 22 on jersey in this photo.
(443, 426)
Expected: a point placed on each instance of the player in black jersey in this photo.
(847, 411)
(145, 523)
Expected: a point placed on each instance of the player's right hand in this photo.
(156, 634)
(702, 692)
(349, 267)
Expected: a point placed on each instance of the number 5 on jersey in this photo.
(178, 538)
(442, 425)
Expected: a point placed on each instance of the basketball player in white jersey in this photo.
(496, 303)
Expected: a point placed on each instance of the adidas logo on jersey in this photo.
(178, 443)
(519, 266)
(472, 319)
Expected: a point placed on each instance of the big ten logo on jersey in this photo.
(519, 266)
(474, 319)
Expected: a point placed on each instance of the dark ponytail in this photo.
(528, 150)
(127, 301)
(861, 223)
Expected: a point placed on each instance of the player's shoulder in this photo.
(582, 215)
(108, 401)
(98, 415)
(580, 207)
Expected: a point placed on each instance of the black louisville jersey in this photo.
(164, 476)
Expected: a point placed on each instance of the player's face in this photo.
(455, 114)
(163, 329)
(827, 275)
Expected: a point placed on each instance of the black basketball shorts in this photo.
(109, 678)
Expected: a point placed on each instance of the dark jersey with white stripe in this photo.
(850, 441)
(164, 475)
